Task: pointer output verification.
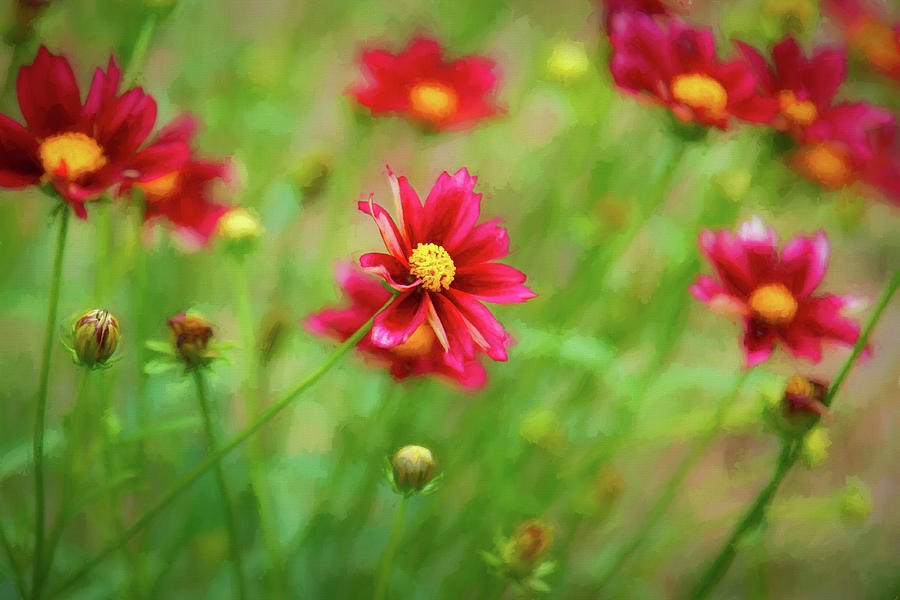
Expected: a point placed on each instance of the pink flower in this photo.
(676, 66)
(420, 354)
(442, 265)
(614, 8)
(772, 292)
(421, 84)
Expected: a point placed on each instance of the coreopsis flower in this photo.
(442, 266)
(804, 87)
(520, 558)
(420, 354)
(869, 34)
(95, 336)
(190, 339)
(675, 65)
(183, 196)
(846, 144)
(420, 83)
(83, 149)
(772, 291)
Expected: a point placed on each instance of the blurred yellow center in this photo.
(801, 112)
(161, 186)
(879, 44)
(774, 304)
(433, 265)
(799, 386)
(71, 155)
(700, 92)
(419, 343)
(433, 101)
(825, 164)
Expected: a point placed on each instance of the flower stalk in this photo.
(387, 559)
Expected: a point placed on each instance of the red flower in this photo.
(418, 355)
(772, 293)
(803, 87)
(83, 149)
(440, 262)
(182, 196)
(868, 33)
(419, 83)
(677, 66)
(614, 8)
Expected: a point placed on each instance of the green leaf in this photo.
(159, 366)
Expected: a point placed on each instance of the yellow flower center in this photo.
(801, 112)
(774, 304)
(879, 44)
(71, 155)
(700, 92)
(799, 386)
(418, 344)
(161, 187)
(826, 164)
(433, 101)
(433, 265)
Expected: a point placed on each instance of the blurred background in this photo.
(615, 373)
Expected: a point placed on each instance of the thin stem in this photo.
(213, 459)
(387, 559)
(789, 454)
(40, 417)
(674, 485)
(139, 51)
(234, 539)
(13, 563)
(255, 455)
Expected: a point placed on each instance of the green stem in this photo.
(255, 455)
(387, 559)
(674, 485)
(14, 566)
(234, 539)
(213, 459)
(139, 51)
(40, 417)
(789, 454)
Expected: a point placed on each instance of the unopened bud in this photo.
(96, 335)
(528, 544)
(413, 468)
(856, 500)
(799, 406)
(240, 225)
(567, 61)
(191, 335)
(815, 447)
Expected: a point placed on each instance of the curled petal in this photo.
(397, 322)
(395, 273)
(396, 244)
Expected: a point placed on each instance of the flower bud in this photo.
(856, 500)
(96, 335)
(413, 468)
(530, 541)
(191, 335)
(567, 61)
(814, 450)
(798, 407)
(239, 225)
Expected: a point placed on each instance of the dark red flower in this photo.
(675, 65)
(420, 354)
(803, 87)
(181, 196)
(419, 83)
(869, 34)
(441, 263)
(82, 149)
(772, 292)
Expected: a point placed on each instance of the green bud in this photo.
(96, 335)
(856, 500)
(413, 468)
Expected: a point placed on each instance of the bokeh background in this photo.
(616, 369)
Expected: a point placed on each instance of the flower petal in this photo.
(395, 243)
(19, 165)
(804, 261)
(48, 95)
(397, 322)
(451, 209)
(759, 342)
(395, 273)
(481, 323)
(493, 282)
(487, 241)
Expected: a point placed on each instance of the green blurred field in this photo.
(615, 372)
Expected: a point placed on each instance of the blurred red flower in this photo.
(772, 292)
(82, 149)
(677, 66)
(420, 354)
(803, 87)
(868, 33)
(418, 82)
(440, 262)
(182, 196)
(614, 8)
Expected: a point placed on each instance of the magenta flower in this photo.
(442, 265)
(772, 292)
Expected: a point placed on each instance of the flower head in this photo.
(772, 292)
(441, 264)
(869, 34)
(528, 544)
(413, 468)
(190, 337)
(421, 84)
(420, 354)
(95, 337)
(81, 148)
(803, 87)
(675, 65)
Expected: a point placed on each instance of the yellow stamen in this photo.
(418, 344)
(801, 112)
(161, 187)
(71, 155)
(700, 92)
(826, 164)
(433, 101)
(774, 304)
(799, 386)
(433, 265)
